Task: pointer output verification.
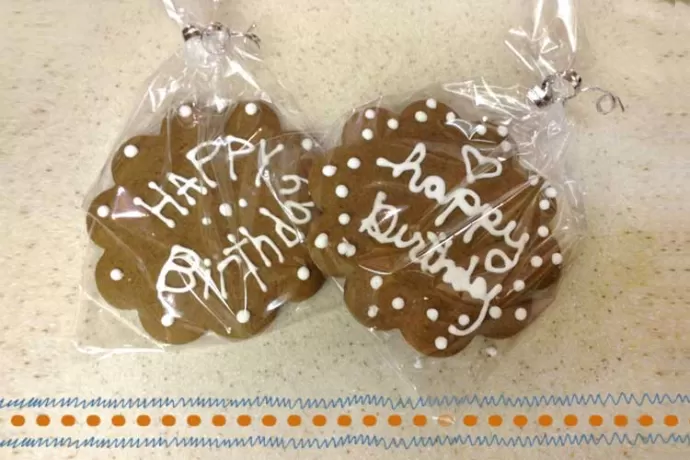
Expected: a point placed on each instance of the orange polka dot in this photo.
(68, 420)
(495, 420)
(193, 420)
(469, 420)
(394, 420)
(570, 420)
(143, 420)
(168, 420)
(294, 420)
(93, 420)
(42, 420)
(520, 420)
(646, 420)
(218, 420)
(419, 420)
(244, 420)
(670, 420)
(596, 420)
(344, 420)
(369, 420)
(17, 420)
(620, 420)
(269, 420)
(446, 420)
(545, 420)
(319, 420)
(118, 420)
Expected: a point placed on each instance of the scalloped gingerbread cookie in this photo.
(438, 228)
(195, 238)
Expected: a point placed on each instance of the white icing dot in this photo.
(116, 274)
(533, 181)
(130, 151)
(520, 314)
(103, 211)
(398, 303)
(346, 249)
(551, 192)
(243, 203)
(451, 117)
(481, 130)
(432, 314)
(354, 163)
(393, 124)
(321, 241)
(251, 109)
(243, 316)
(342, 191)
(495, 312)
(373, 311)
(441, 343)
(370, 114)
(463, 320)
(206, 221)
(506, 146)
(502, 131)
(536, 261)
(329, 170)
(368, 134)
(431, 103)
(557, 258)
(167, 320)
(207, 262)
(184, 111)
(303, 273)
(344, 219)
(225, 210)
(307, 144)
(518, 285)
(421, 117)
(376, 282)
(491, 352)
(543, 231)
(544, 205)
(485, 119)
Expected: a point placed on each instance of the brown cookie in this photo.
(438, 228)
(194, 235)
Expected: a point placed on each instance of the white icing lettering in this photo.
(289, 235)
(207, 151)
(435, 260)
(157, 210)
(259, 242)
(235, 254)
(184, 185)
(187, 265)
(264, 159)
(434, 187)
(296, 182)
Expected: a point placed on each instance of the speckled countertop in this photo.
(71, 70)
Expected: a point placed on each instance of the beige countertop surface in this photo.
(71, 71)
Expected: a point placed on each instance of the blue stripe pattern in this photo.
(276, 442)
(603, 399)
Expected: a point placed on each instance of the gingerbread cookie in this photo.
(194, 234)
(438, 228)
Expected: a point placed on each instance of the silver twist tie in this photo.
(216, 36)
(566, 85)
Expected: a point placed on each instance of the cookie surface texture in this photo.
(437, 227)
(194, 236)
